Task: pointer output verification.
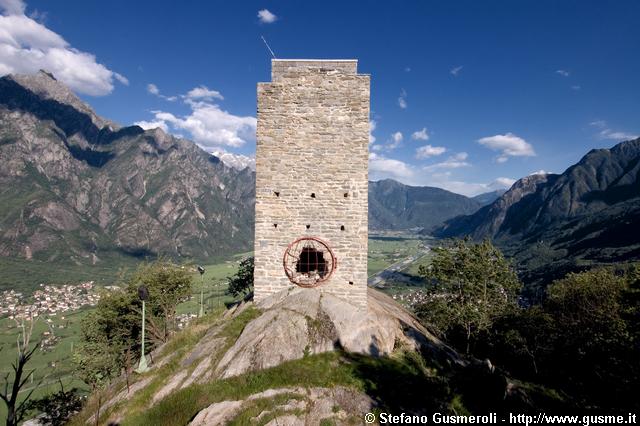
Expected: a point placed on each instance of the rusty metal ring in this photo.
(299, 270)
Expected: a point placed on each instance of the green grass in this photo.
(255, 408)
(49, 366)
(414, 266)
(385, 251)
(215, 286)
(378, 377)
(180, 344)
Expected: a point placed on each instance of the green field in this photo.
(51, 365)
(215, 286)
(26, 275)
(385, 251)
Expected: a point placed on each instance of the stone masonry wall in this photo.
(312, 137)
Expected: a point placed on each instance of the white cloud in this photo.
(539, 172)
(203, 93)
(502, 182)
(509, 145)
(209, 125)
(470, 188)
(608, 133)
(237, 161)
(402, 100)
(427, 151)
(453, 162)
(407, 69)
(563, 73)
(617, 136)
(27, 46)
(12, 7)
(158, 124)
(576, 87)
(420, 135)
(456, 70)
(372, 126)
(266, 17)
(121, 78)
(153, 89)
(381, 167)
(395, 141)
(460, 156)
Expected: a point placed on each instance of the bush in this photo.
(242, 281)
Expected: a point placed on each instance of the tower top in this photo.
(281, 66)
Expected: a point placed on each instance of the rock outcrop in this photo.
(300, 407)
(299, 322)
(287, 326)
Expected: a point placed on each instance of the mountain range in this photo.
(79, 189)
(395, 206)
(554, 223)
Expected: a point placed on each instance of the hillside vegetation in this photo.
(335, 387)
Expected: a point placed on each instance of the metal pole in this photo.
(201, 314)
(142, 366)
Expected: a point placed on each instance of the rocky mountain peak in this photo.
(77, 191)
(46, 86)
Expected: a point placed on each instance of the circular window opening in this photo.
(308, 262)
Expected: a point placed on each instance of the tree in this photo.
(582, 339)
(523, 340)
(16, 410)
(111, 332)
(96, 364)
(242, 281)
(472, 284)
(57, 408)
(595, 348)
(168, 285)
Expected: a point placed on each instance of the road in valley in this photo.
(394, 272)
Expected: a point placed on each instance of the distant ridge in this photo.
(395, 206)
(552, 223)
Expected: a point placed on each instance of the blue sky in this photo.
(465, 95)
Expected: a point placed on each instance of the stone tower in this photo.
(311, 179)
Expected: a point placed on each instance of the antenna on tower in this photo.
(267, 44)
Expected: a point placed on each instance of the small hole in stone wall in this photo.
(313, 195)
(346, 194)
(342, 227)
(350, 282)
(308, 226)
(277, 194)
(275, 225)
